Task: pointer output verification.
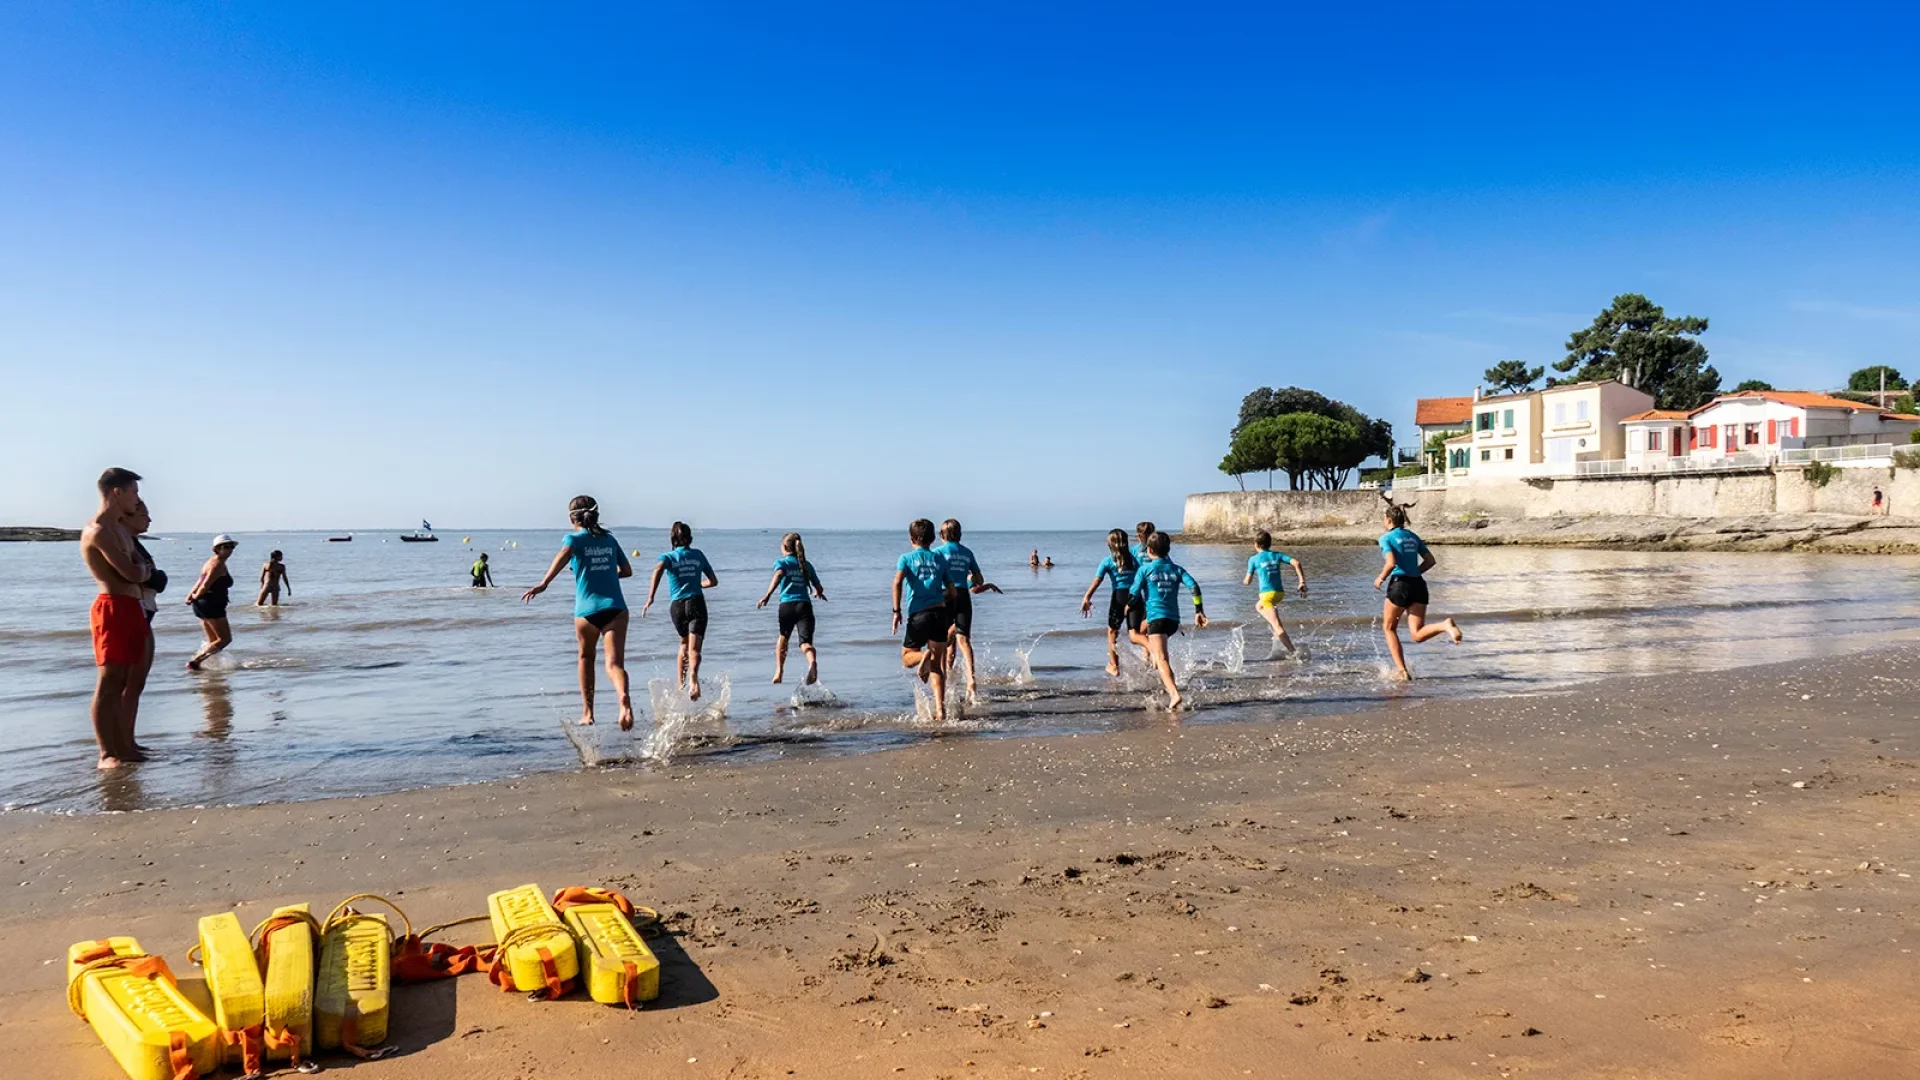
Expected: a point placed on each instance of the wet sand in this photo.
(1705, 876)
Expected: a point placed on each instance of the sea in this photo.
(383, 670)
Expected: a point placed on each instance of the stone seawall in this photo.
(1773, 510)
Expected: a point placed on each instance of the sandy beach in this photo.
(1700, 876)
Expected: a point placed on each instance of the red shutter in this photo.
(1713, 436)
(1793, 427)
(1693, 437)
(1771, 437)
(1676, 442)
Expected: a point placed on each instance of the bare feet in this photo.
(1174, 704)
(778, 674)
(626, 714)
(1402, 675)
(193, 664)
(108, 764)
(1113, 665)
(693, 690)
(1454, 630)
(813, 672)
(136, 755)
(586, 719)
(926, 667)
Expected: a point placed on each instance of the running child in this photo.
(1266, 565)
(928, 583)
(1118, 567)
(793, 576)
(692, 576)
(1158, 584)
(1403, 573)
(963, 570)
(599, 607)
(273, 575)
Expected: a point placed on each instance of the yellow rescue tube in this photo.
(354, 986)
(131, 1001)
(535, 948)
(287, 945)
(620, 969)
(233, 980)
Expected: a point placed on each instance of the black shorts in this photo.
(1163, 627)
(689, 616)
(1122, 611)
(209, 609)
(600, 620)
(797, 616)
(962, 612)
(1404, 591)
(927, 625)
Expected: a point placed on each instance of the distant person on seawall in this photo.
(121, 636)
(208, 599)
(599, 607)
(482, 573)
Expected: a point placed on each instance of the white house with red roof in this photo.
(1768, 421)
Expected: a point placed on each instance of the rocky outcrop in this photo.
(36, 532)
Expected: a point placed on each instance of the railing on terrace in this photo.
(1854, 452)
(1716, 463)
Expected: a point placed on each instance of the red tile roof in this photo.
(1440, 411)
(1799, 399)
(1658, 414)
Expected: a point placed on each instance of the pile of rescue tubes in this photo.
(298, 987)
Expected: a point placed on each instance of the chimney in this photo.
(1476, 393)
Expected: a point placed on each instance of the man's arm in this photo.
(119, 557)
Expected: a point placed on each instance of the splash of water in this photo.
(678, 720)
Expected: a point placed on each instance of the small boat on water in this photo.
(347, 539)
(424, 536)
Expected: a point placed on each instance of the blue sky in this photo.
(763, 265)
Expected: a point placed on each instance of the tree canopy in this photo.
(1867, 379)
(1753, 384)
(1313, 450)
(1512, 376)
(1266, 402)
(1636, 342)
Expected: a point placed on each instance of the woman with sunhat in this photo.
(208, 599)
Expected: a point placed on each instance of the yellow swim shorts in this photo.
(1269, 599)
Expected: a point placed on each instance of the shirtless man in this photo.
(120, 630)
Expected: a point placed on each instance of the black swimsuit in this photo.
(212, 603)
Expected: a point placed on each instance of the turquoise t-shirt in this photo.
(794, 581)
(1406, 549)
(1265, 567)
(960, 562)
(927, 577)
(686, 568)
(597, 562)
(1160, 582)
(1122, 579)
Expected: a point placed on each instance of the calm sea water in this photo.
(384, 671)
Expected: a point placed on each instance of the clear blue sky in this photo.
(332, 265)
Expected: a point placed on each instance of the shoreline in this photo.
(1807, 533)
(1633, 875)
(36, 533)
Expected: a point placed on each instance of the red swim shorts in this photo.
(119, 630)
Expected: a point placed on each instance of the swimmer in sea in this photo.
(273, 575)
(599, 607)
(1047, 565)
(793, 579)
(1158, 583)
(1403, 573)
(687, 600)
(1118, 567)
(482, 573)
(208, 599)
(928, 584)
(1267, 564)
(963, 570)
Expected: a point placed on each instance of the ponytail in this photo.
(584, 512)
(1396, 517)
(796, 547)
(1122, 554)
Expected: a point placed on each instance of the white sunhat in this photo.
(224, 538)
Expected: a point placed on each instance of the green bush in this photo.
(1820, 474)
(1906, 459)
(1914, 436)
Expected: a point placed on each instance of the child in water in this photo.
(692, 576)
(272, 576)
(1118, 567)
(927, 581)
(599, 607)
(1266, 564)
(1159, 582)
(793, 576)
(963, 570)
(1407, 561)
